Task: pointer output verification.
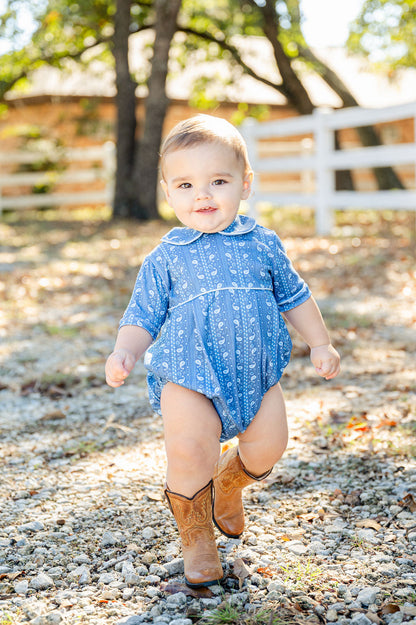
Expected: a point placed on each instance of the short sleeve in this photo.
(290, 289)
(149, 301)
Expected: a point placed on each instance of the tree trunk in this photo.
(145, 173)
(126, 112)
(297, 95)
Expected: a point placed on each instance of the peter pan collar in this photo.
(183, 236)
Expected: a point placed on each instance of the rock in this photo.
(178, 599)
(53, 618)
(148, 533)
(33, 526)
(133, 620)
(181, 621)
(276, 587)
(128, 593)
(80, 575)
(158, 569)
(129, 574)
(317, 547)
(368, 536)
(388, 570)
(106, 578)
(296, 547)
(368, 595)
(331, 615)
(21, 588)
(174, 567)
(360, 619)
(108, 539)
(82, 558)
(42, 582)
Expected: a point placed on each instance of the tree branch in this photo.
(237, 57)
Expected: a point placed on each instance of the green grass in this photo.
(227, 614)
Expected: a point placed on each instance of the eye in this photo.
(219, 181)
(185, 185)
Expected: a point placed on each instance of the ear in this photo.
(165, 190)
(247, 182)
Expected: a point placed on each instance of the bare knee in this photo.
(187, 453)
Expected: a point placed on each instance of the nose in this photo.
(202, 193)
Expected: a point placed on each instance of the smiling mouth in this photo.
(206, 209)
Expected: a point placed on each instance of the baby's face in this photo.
(204, 185)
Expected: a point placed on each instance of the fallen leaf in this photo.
(408, 501)
(241, 570)
(353, 498)
(51, 416)
(174, 587)
(358, 424)
(369, 523)
(266, 571)
(387, 423)
(11, 576)
(279, 478)
(390, 608)
(321, 513)
(154, 496)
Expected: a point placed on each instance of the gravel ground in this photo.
(85, 535)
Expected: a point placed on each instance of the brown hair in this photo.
(205, 129)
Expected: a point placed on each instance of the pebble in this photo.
(296, 547)
(174, 567)
(41, 582)
(32, 526)
(366, 596)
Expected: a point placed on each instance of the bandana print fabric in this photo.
(212, 303)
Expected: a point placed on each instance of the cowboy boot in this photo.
(194, 519)
(230, 477)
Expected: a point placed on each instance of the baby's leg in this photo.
(192, 432)
(260, 446)
(265, 439)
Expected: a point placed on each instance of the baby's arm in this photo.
(307, 320)
(131, 343)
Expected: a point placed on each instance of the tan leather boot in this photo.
(194, 519)
(230, 477)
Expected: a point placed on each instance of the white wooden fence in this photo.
(88, 172)
(324, 160)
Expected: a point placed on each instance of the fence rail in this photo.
(325, 160)
(88, 173)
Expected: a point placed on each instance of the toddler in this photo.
(208, 311)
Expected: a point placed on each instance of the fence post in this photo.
(109, 167)
(324, 145)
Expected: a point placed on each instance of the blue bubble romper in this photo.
(212, 303)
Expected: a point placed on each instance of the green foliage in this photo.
(64, 30)
(228, 614)
(385, 30)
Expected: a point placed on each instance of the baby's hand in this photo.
(118, 366)
(326, 361)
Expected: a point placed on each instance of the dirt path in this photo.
(85, 536)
